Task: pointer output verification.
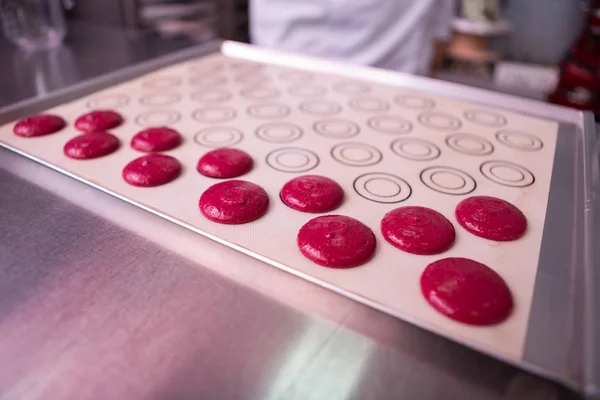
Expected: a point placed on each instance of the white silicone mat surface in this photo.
(386, 146)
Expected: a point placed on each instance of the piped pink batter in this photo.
(491, 218)
(152, 170)
(234, 202)
(336, 241)
(39, 125)
(225, 163)
(418, 230)
(156, 139)
(91, 145)
(466, 291)
(312, 193)
(99, 120)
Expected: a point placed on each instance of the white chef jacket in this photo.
(393, 34)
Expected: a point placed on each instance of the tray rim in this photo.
(591, 255)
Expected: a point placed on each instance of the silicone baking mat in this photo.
(386, 146)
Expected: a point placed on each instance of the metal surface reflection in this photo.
(102, 300)
(322, 364)
(41, 72)
(88, 296)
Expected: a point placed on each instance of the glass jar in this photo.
(33, 24)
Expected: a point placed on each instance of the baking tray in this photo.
(560, 329)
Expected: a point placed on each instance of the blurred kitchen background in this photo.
(198, 20)
(540, 49)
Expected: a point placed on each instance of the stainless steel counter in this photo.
(89, 51)
(92, 307)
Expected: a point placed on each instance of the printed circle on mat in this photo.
(162, 82)
(108, 101)
(307, 90)
(486, 118)
(160, 99)
(507, 173)
(252, 78)
(469, 144)
(260, 93)
(268, 110)
(390, 124)
(279, 132)
(212, 95)
(336, 128)
(296, 75)
(211, 80)
(448, 180)
(383, 188)
(238, 65)
(245, 66)
(519, 140)
(218, 136)
(415, 149)
(369, 104)
(414, 101)
(214, 114)
(292, 159)
(320, 107)
(205, 68)
(356, 154)
(157, 118)
(351, 88)
(439, 121)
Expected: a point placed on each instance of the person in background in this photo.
(402, 35)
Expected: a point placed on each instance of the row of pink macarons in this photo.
(95, 141)
(333, 241)
(310, 193)
(99, 121)
(462, 289)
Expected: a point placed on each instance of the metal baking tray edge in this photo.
(591, 262)
(579, 368)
